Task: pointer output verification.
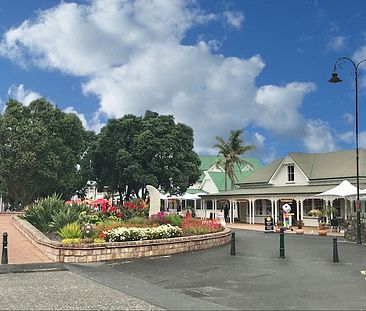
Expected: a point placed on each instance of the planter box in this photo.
(93, 252)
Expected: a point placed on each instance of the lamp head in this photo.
(334, 78)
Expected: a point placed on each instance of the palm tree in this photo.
(231, 151)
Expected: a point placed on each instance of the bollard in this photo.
(335, 250)
(4, 256)
(282, 243)
(232, 251)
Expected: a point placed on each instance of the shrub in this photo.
(71, 231)
(135, 234)
(193, 226)
(134, 208)
(159, 218)
(71, 241)
(174, 220)
(40, 214)
(137, 220)
(86, 218)
(300, 224)
(97, 240)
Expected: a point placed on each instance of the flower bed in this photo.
(94, 252)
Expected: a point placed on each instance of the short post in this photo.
(232, 251)
(4, 256)
(335, 250)
(282, 243)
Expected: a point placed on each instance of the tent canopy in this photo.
(344, 190)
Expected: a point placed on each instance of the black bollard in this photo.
(4, 256)
(282, 243)
(335, 250)
(232, 251)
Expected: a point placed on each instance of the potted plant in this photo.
(279, 224)
(299, 229)
(322, 229)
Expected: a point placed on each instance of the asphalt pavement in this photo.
(254, 279)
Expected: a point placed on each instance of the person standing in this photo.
(226, 213)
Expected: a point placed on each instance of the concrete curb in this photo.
(32, 267)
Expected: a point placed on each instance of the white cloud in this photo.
(319, 137)
(277, 107)
(234, 19)
(358, 56)
(259, 140)
(129, 54)
(22, 95)
(347, 137)
(348, 118)
(94, 124)
(337, 43)
(362, 140)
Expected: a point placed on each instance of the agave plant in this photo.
(40, 214)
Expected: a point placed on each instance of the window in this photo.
(290, 173)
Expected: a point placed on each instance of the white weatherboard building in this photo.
(296, 179)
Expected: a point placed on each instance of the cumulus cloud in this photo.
(93, 124)
(277, 107)
(347, 137)
(337, 43)
(130, 55)
(234, 19)
(319, 137)
(22, 95)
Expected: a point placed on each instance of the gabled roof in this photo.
(194, 191)
(219, 179)
(316, 166)
(208, 161)
(262, 175)
(339, 164)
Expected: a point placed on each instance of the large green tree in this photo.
(40, 149)
(133, 152)
(232, 150)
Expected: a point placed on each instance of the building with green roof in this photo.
(212, 178)
(295, 179)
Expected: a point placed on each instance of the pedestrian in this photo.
(226, 212)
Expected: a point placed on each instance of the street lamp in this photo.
(335, 79)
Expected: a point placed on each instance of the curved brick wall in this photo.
(118, 250)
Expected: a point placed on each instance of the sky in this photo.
(215, 65)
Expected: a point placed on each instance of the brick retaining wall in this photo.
(118, 250)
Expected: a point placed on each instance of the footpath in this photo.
(20, 250)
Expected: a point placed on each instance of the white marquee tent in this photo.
(344, 190)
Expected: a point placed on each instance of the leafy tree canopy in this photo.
(132, 152)
(40, 149)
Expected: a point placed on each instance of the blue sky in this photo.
(215, 65)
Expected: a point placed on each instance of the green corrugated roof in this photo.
(338, 164)
(263, 174)
(208, 161)
(219, 179)
(194, 191)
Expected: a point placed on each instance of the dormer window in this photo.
(290, 173)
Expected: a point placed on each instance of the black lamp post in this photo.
(335, 79)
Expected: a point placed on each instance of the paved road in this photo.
(208, 280)
(253, 279)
